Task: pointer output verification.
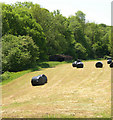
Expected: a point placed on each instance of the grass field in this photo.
(69, 93)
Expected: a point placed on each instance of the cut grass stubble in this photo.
(70, 92)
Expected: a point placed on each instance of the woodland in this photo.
(31, 34)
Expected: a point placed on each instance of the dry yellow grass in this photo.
(71, 92)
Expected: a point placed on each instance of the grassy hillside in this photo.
(9, 76)
(70, 92)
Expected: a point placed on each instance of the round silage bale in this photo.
(109, 60)
(80, 65)
(74, 64)
(39, 80)
(111, 65)
(99, 64)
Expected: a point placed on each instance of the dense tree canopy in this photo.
(50, 33)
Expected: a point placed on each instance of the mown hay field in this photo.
(70, 92)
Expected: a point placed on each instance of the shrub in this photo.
(5, 76)
(18, 53)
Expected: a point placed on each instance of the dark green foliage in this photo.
(18, 53)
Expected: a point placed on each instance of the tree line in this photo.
(31, 33)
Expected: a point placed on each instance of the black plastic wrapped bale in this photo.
(99, 64)
(109, 60)
(74, 64)
(80, 65)
(111, 65)
(39, 80)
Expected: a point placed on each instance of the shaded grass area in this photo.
(9, 76)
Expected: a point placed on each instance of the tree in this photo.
(80, 51)
(54, 27)
(80, 16)
(18, 20)
(97, 36)
(53, 33)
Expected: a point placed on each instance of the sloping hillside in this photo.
(70, 92)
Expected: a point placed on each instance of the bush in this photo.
(18, 53)
(5, 76)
